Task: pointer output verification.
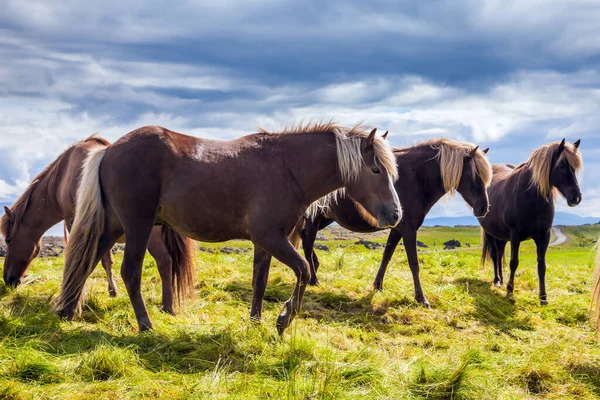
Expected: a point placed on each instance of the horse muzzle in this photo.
(12, 281)
(389, 219)
(574, 200)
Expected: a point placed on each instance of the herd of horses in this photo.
(160, 190)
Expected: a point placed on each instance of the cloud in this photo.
(509, 75)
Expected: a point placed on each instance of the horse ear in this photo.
(371, 137)
(486, 150)
(577, 143)
(561, 146)
(9, 214)
(474, 151)
(384, 137)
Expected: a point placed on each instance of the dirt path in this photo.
(560, 237)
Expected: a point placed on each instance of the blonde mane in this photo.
(348, 142)
(451, 156)
(541, 165)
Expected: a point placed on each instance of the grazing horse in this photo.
(255, 187)
(522, 206)
(429, 170)
(50, 198)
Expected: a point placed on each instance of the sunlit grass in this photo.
(348, 342)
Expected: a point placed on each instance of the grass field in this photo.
(348, 342)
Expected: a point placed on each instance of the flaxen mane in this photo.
(46, 181)
(540, 164)
(451, 156)
(350, 161)
(348, 141)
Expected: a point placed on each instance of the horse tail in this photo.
(486, 249)
(181, 250)
(82, 249)
(595, 305)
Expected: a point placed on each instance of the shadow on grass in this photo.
(491, 309)
(328, 306)
(588, 374)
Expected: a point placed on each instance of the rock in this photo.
(451, 244)
(319, 246)
(234, 250)
(370, 245)
(421, 244)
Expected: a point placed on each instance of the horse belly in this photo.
(203, 214)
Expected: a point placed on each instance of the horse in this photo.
(50, 198)
(429, 170)
(522, 207)
(255, 187)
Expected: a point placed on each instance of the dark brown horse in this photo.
(429, 170)
(50, 198)
(522, 206)
(256, 187)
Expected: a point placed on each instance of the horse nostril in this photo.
(395, 215)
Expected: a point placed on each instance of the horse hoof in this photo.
(543, 302)
(112, 293)
(423, 301)
(145, 327)
(284, 318)
(313, 282)
(167, 310)
(378, 286)
(498, 284)
(66, 315)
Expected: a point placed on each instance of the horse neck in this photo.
(312, 161)
(520, 181)
(42, 212)
(428, 177)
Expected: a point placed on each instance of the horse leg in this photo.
(499, 261)
(260, 276)
(160, 253)
(393, 240)
(309, 235)
(542, 246)
(131, 270)
(410, 245)
(494, 256)
(280, 248)
(515, 243)
(107, 264)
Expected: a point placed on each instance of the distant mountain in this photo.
(560, 218)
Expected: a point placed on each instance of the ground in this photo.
(348, 342)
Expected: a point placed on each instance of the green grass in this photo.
(348, 342)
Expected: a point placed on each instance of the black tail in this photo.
(486, 247)
(181, 250)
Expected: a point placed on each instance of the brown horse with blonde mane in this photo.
(50, 198)
(522, 206)
(429, 171)
(255, 187)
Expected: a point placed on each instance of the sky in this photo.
(509, 75)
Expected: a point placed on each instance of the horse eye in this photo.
(376, 170)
